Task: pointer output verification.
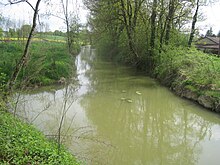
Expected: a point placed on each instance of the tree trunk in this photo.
(66, 19)
(153, 25)
(25, 55)
(161, 25)
(169, 20)
(130, 16)
(193, 25)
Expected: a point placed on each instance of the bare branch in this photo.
(30, 5)
(15, 2)
(56, 16)
(20, 1)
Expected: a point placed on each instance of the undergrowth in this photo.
(22, 144)
(191, 68)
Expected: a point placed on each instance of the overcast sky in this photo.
(212, 15)
(24, 13)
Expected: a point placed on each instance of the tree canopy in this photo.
(140, 28)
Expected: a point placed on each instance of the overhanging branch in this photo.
(20, 1)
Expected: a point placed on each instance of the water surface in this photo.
(116, 116)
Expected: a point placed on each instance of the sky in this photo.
(212, 15)
(24, 13)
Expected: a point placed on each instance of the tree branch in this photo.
(20, 1)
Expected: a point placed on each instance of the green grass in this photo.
(21, 144)
(190, 68)
(48, 62)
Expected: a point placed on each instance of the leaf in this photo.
(123, 99)
(138, 92)
(129, 100)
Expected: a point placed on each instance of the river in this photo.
(116, 116)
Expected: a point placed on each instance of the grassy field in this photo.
(51, 38)
(38, 37)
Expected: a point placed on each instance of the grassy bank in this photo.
(49, 61)
(191, 74)
(23, 144)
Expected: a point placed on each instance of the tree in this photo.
(67, 23)
(218, 35)
(130, 11)
(153, 24)
(1, 29)
(25, 30)
(106, 24)
(138, 28)
(193, 24)
(58, 33)
(23, 60)
(209, 32)
(74, 35)
(1, 32)
(170, 17)
(66, 15)
(12, 32)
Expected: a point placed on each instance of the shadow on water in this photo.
(117, 117)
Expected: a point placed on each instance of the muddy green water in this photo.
(115, 116)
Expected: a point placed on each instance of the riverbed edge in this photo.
(174, 84)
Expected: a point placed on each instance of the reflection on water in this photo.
(116, 116)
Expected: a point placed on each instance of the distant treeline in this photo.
(24, 32)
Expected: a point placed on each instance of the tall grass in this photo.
(48, 62)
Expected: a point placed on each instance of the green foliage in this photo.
(1, 32)
(189, 67)
(59, 33)
(23, 144)
(2, 88)
(9, 56)
(141, 29)
(54, 62)
(11, 32)
(105, 46)
(49, 61)
(25, 29)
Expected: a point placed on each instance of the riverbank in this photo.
(188, 72)
(191, 74)
(21, 143)
(48, 63)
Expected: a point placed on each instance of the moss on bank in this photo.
(22, 144)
